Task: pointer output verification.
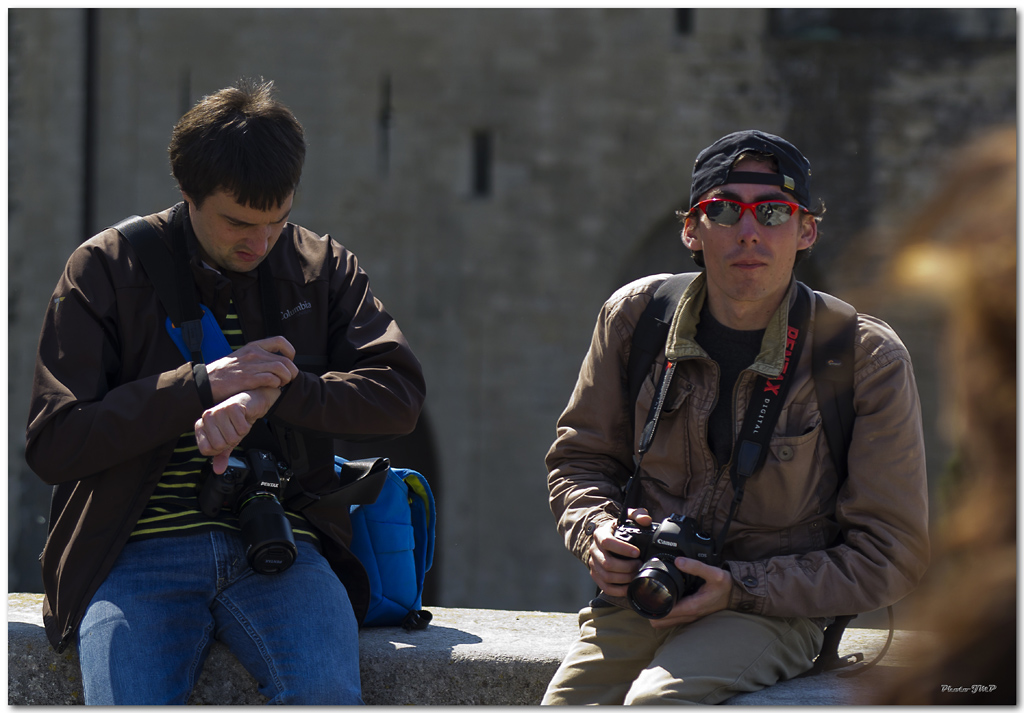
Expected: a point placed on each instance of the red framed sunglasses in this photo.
(726, 211)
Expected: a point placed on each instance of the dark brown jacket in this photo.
(112, 394)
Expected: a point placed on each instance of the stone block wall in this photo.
(499, 173)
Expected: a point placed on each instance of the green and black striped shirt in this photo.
(173, 508)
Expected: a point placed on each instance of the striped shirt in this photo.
(173, 508)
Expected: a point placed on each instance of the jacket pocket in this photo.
(668, 458)
(786, 490)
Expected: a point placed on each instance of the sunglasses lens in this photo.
(727, 212)
(723, 212)
(772, 214)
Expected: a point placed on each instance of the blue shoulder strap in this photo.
(214, 344)
(168, 269)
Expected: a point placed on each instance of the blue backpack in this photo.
(393, 537)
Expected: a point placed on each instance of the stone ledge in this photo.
(465, 657)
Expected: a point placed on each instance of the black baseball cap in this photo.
(713, 166)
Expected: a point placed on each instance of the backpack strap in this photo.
(163, 266)
(155, 257)
(835, 332)
(835, 329)
(651, 330)
(166, 269)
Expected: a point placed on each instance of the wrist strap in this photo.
(202, 379)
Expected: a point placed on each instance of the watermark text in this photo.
(976, 688)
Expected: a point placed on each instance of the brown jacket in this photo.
(798, 546)
(112, 395)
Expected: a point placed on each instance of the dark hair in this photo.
(698, 255)
(240, 140)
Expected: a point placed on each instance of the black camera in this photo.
(250, 487)
(659, 584)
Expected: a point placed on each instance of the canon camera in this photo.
(251, 487)
(659, 584)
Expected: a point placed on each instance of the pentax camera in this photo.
(250, 487)
(659, 584)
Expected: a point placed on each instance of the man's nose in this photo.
(748, 229)
(259, 241)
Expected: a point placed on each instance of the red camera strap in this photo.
(751, 448)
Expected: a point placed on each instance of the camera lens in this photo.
(267, 535)
(651, 598)
(655, 589)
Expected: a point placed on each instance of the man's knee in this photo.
(319, 688)
(657, 687)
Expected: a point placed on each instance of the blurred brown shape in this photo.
(961, 250)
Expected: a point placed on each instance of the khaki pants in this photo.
(621, 659)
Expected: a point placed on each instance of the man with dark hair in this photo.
(789, 545)
(131, 431)
(211, 147)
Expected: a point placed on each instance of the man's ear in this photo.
(690, 235)
(808, 232)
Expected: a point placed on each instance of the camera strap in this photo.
(766, 400)
(631, 491)
(751, 448)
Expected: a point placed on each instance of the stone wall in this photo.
(495, 263)
(46, 133)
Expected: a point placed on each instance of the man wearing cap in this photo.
(799, 545)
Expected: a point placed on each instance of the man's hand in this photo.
(223, 427)
(612, 574)
(265, 363)
(712, 596)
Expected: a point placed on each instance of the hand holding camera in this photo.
(614, 562)
(659, 584)
(712, 596)
(639, 561)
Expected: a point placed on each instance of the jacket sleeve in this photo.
(374, 385)
(83, 419)
(881, 510)
(592, 456)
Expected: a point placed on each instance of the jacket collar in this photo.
(682, 333)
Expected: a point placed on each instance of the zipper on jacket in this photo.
(705, 505)
(706, 517)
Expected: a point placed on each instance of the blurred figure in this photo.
(962, 252)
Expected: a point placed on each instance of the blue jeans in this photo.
(148, 630)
